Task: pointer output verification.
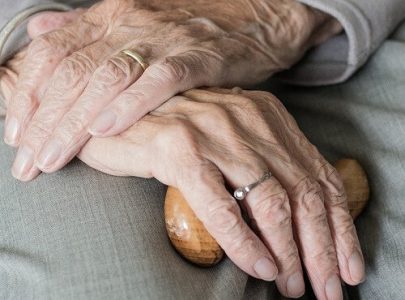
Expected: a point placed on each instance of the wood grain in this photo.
(187, 233)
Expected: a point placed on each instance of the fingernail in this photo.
(356, 267)
(295, 285)
(103, 123)
(265, 269)
(333, 288)
(12, 131)
(23, 162)
(49, 154)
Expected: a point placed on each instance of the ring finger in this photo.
(268, 207)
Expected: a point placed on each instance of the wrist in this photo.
(281, 29)
(324, 26)
(290, 28)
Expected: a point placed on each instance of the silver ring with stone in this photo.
(241, 193)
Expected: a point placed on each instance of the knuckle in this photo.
(325, 256)
(83, 112)
(243, 247)
(42, 45)
(345, 230)
(193, 169)
(338, 201)
(318, 217)
(216, 113)
(132, 100)
(23, 103)
(93, 18)
(171, 70)
(246, 103)
(178, 138)
(224, 217)
(308, 200)
(273, 212)
(241, 104)
(73, 125)
(74, 69)
(50, 46)
(180, 133)
(114, 71)
(289, 259)
(38, 130)
(330, 180)
(254, 114)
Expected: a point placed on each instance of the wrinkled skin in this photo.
(202, 139)
(75, 82)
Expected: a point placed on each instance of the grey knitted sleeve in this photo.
(367, 23)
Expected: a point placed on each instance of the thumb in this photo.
(52, 20)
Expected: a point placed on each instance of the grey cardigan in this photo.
(366, 22)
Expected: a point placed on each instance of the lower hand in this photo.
(204, 139)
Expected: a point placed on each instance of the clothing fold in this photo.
(366, 23)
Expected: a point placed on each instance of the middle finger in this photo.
(312, 229)
(310, 222)
(269, 209)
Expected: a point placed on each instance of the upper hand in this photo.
(74, 81)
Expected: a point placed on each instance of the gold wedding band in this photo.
(135, 56)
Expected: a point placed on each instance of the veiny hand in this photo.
(204, 138)
(74, 80)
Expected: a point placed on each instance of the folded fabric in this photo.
(367, 23)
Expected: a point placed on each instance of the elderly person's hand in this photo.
(205, 138)
(76, 80)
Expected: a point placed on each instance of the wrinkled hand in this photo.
(204, 138)
(75, 80)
